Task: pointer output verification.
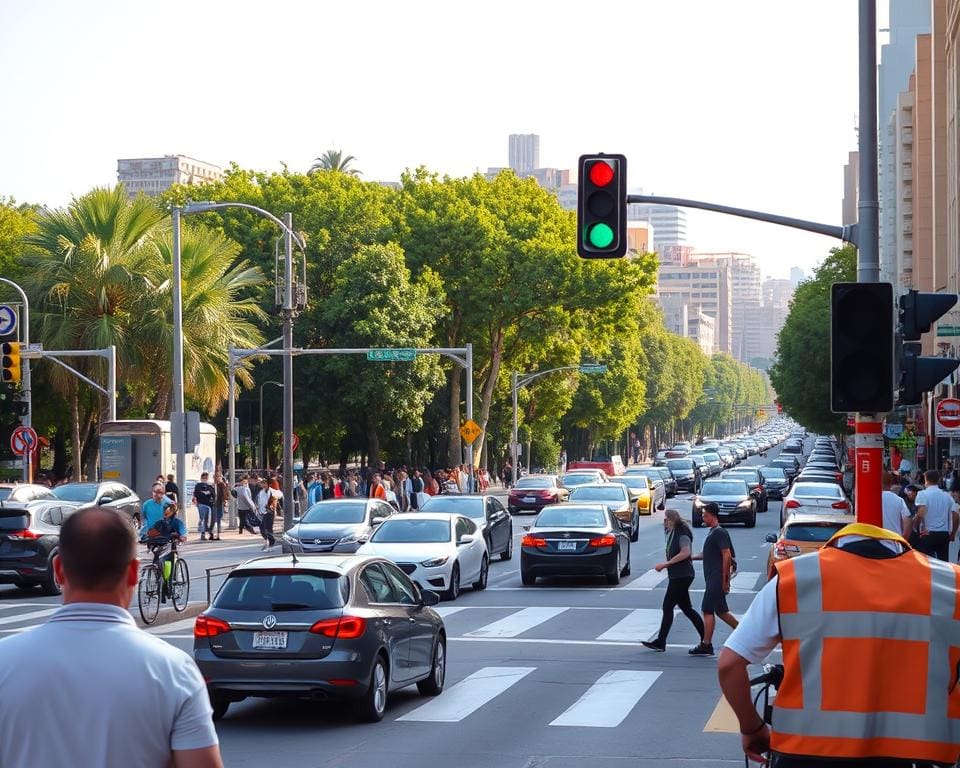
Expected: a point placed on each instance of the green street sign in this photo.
(593, 368)
(948, 330)
(391, 355)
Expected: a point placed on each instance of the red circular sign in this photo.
(948, 413)
(296, 442)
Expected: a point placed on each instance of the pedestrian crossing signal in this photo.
(10, 362)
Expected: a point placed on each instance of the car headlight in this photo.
(290, 539)
(434, 562)
(697, 502)
(353, 538)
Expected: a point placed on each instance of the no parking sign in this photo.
(23, 440)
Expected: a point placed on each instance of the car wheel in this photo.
(481, 583)
(626, 568)
(374, 702)
(433, 685)
(49, 585)
(508, 552)
(752, 522)
(527, 579)
(614, 576)
(635, 529)
(454, 591)
(220, 706)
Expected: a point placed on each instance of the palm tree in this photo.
(334, 160)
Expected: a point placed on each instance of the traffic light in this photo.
(861, 348)
(10, 362)
(602, 206)
(918, 374)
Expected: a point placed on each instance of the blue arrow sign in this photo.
(8, 320)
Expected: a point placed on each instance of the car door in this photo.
(505, 522)
(623, 540)
(497, 525)
(392, 620)
(420, 624)
(470, 556)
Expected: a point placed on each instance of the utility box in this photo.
(135, 451)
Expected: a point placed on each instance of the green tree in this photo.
(801, 373)
(334, 160)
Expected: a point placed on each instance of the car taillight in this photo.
(344, 628)
(530, 540)
(840, 505)
(546, 494)
(792, 504)
(24, 534)
(603, 541)
(782, 549)
(839, 477)
(209, 626)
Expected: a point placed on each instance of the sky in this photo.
(750, 103)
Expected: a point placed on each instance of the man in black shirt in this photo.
(205, 499)
(717, 559)
(172, 491)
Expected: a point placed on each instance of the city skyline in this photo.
(720, 128)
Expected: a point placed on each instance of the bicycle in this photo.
(161, 579)
(772, 677)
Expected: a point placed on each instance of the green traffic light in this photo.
(601, 235)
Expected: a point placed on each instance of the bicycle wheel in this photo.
(148, 593)
(180, 585)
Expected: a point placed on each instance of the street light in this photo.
(261, 441)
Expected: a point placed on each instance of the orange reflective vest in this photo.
(871, 650)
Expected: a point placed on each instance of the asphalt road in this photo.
(547, 676)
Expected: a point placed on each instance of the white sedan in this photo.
(814, 497)
(439, 551)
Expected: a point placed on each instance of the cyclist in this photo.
(154, 507)
(157, 536)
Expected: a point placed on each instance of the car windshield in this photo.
(468, 506)
(750, 477)
(533, 483)
(82, 492)
(578, 479)
(724, 488)
(282, 591)
(570, 517)
(5, 493)
(814, 491)
(774, 473)
(680, 464)
(609, 492)
(412, 532)
(633, 481)
(335, 512)
(811, 531)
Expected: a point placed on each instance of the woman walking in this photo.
(680, 576)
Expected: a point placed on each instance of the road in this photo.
(547, 676)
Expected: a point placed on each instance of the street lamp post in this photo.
(262, 441)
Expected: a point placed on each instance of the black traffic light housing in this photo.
(861, 348)
(919, 374)
(602, 206)
(10, 362)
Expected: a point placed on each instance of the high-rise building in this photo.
(703, 287)
(745, 293)
(669, 223)
(777, 293)
(153, 175)
(524, 152)
(797, 276)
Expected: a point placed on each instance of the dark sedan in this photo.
(737, 503)
(105, 494)
(754, 480)
(28, 543)
(488, 514)
(534, 492)
(686, 473)
(669, 481)
(789, 464)
(336, 525)
(320, 627)
(775, 481)
(574, 540)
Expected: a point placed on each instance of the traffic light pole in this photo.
(24, 367)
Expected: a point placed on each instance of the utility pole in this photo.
(288, 313)
(178, 423)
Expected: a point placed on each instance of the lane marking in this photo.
(723, 719)
(173, 626)
(607, 702)
(21, 617)
(744, 581)
(517, 623)
(638, 625)
(447, 610)
(648, 580)
(468, 695)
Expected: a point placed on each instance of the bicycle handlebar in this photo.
(772, 675)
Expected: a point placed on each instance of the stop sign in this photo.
(948, 413)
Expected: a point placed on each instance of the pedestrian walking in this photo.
(417, 494)
(680, 575)
(204, 499)
(937, 517)
(113, 673)
(272, 497)
(172, 490)
(896, 516)
(246, 506)
(717, 557)
(221, 501)
(868, 627)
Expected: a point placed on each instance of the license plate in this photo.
(567, 546)
(528, 499)
(270, 640)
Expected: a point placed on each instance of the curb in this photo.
(169, 616)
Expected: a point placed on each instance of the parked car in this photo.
(27, 495)
(789, 464)
(815, 497)
(686, 473)
(611, 466)
(656, 484)
(336, 525)
(583, 477)
(754, 481)
(105, 494)
(616, 498)
(28, 544)
(736, 502)
(534, 492)
(320, 626)
(486, 511)
(573, 540)
(803, 532)
(438, 551)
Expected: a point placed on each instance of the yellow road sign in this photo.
(470, 430)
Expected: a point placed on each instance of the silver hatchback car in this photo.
(320, 627)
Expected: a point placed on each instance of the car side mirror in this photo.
(429, 597)
(770, 538)
(467, 538)
(376, 521)
(103, 500)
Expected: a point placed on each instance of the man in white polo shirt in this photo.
(92, 688)
(896, 516)
(937, 517)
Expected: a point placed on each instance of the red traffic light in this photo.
(601, 173)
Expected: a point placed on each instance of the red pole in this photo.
(868, 470)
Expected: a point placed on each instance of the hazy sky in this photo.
(745, 102)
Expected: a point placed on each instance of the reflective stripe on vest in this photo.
(868, 672)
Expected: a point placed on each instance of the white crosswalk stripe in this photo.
(449, 610)
(744, 581)
(635, 626)
(468, 695)
(517, 623)
(647, 580)
(608, 701)
(28, 617)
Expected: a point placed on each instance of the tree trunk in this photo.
(496, 358)
(75, 430)
(453, 450)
